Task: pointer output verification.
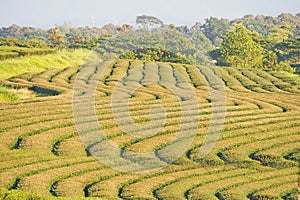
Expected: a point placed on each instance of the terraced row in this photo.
(41, 151)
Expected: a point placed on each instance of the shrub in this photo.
(155, 54)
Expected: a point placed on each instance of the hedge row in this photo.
(7, 52)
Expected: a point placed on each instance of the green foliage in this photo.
(80, 42)
(198, 38)
(147, 22)
(26, 195)
(215, 28)
(5, 95)
(288, 50)
(266, 24)
(12, 48)
(274, 34)
(166, 39)
(38, 63)
(270, 60)
(24, 33)
(239, 50)
(285, 66)
(33, 43)
(21, 195)
(7, 52)
(281, 54)
(215, 55)
(280, 34)
(75, 39)
(56, 38)
(155, 54)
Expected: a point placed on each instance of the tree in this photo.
(172, 27)
(238, 48)
(124, 28)
(281, 50)
(109, 29)
(183, 29)
(155, 54)
(270, 60)
(75, 40)
(215, 28)
(288, 52)
(198, 38)
(280, 34)
(56, 39)
(148, 22)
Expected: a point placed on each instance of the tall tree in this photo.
(148, 22)
(198, 38)
(124, 28)
(75, 40)
(56, 38)
(215, 28)
(238, 48)
(280, 34)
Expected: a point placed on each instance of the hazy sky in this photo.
(47, 13)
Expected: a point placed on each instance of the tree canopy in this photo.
(239, 50)
(215, 28)
(148, 22)
(155, 54)
(268, 42)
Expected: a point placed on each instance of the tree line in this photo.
(277, 51)
(267, 42)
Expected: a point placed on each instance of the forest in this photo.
(266, 42)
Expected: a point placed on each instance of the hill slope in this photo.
(257, 155)
(33, 64)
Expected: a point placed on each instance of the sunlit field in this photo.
(256, 157)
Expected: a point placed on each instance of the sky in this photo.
(48, 13)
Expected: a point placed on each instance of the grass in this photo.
(49, 159)
(294, 77)
(245, 186)
(37, 63)
(16, 194)
(7, 52)
(61, 59)
(276, 190)
(5, 95)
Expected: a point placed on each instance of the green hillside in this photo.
(35, 64)
(256, 157)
